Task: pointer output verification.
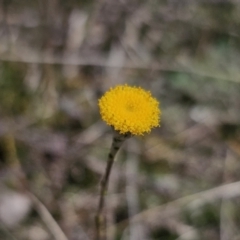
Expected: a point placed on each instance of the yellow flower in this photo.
(130, 109)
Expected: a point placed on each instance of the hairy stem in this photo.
(117, 142)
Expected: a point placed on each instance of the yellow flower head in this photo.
(130, 109)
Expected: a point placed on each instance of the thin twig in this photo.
(118, 140)
(48, 219)
(154, 215)
(136, 229)
(25, 57)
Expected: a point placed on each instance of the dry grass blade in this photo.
(154, 215)
(48, 219)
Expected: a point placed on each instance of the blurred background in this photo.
(181, 181)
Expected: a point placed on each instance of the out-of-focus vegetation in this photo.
(58, 57)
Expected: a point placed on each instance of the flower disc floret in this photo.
(130, 109)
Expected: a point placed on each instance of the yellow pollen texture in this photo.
(130, 109)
